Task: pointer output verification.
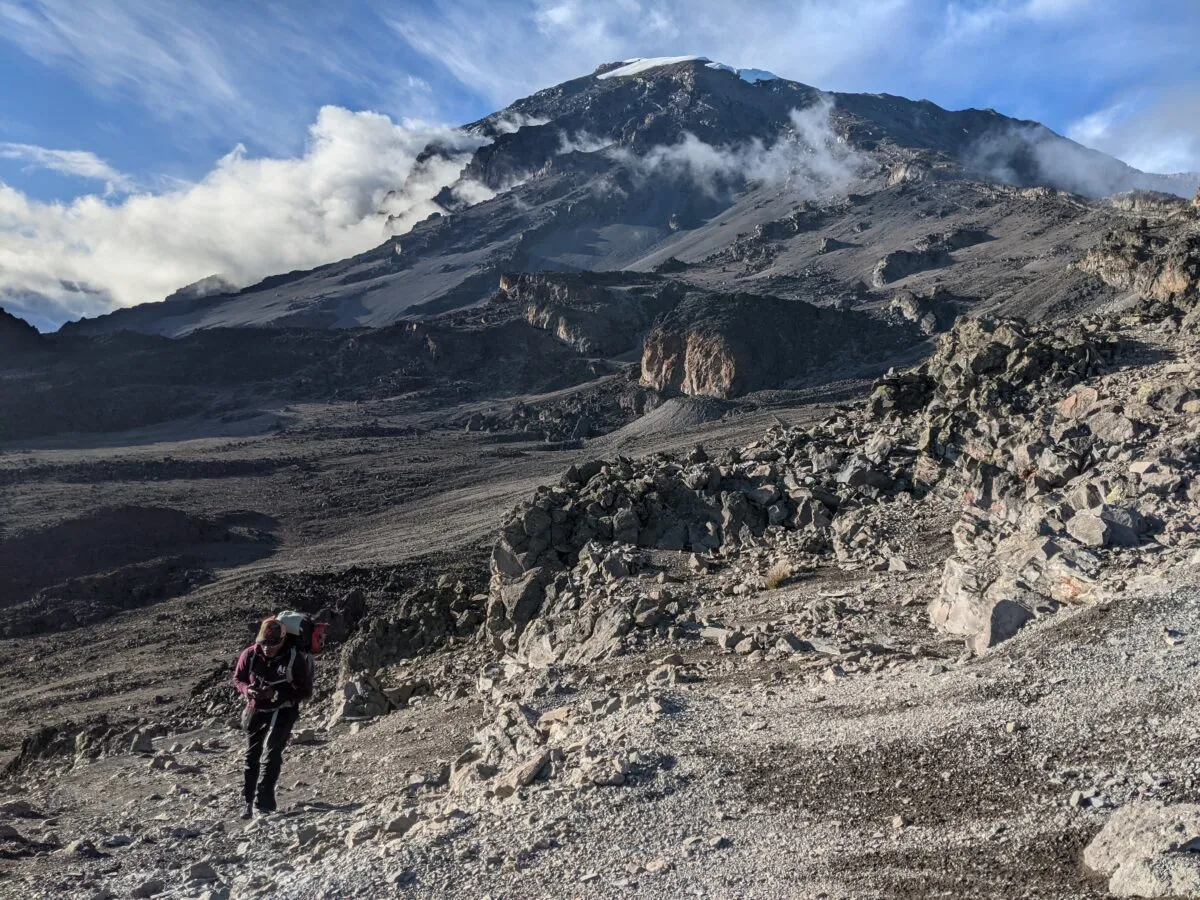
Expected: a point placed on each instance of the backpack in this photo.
(307, 636)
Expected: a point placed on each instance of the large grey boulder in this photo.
(902, 263)
(1106, 526)
(858, 471)
(982, 610)
(1004, 619)
(521, 598)
(960, 607)
(1112, 427)
(359, 698)
(1148, 850)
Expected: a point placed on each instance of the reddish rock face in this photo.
(694, 364)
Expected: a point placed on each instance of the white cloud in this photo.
(76, 163)
(511, 123)
(975, 20)
(248, 218)
(1051, 9)
(1095, 127)
(581, 142)
(808, 159)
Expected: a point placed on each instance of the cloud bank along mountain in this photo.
(246, 219)
(809, 158)
(1029, 153)
(249, 218)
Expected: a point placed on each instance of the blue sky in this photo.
(132, 117)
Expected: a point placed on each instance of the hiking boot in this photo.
(248, 812)
(265, 803)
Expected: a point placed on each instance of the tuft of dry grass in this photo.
(780, 572)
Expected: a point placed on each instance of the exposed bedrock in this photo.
(595, 314)
(726, 345)
(1163, 266)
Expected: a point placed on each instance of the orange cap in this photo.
(270, 632)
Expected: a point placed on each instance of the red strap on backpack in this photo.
(318, 636)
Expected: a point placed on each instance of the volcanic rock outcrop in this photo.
(1160, 263)
(728, 345)
(598, 315)
(1061, 462)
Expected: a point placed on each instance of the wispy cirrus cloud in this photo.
(163, 53)
(74, 163)
(233, 70)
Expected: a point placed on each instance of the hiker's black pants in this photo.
(273, 728)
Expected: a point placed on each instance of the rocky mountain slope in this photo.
(129, 380)
(872, 210)
(623, 169)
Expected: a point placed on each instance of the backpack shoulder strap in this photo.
(291, 664)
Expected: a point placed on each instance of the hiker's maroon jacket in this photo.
(257, 670)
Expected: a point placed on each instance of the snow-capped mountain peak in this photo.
(639, 65)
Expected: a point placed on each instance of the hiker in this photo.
(274, 674)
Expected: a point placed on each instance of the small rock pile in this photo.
(760, 246)
(988, 367)
(563, 585)
(423, 619)
(561, 745)
(932, 312)
(583, 415)
(929, 252)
